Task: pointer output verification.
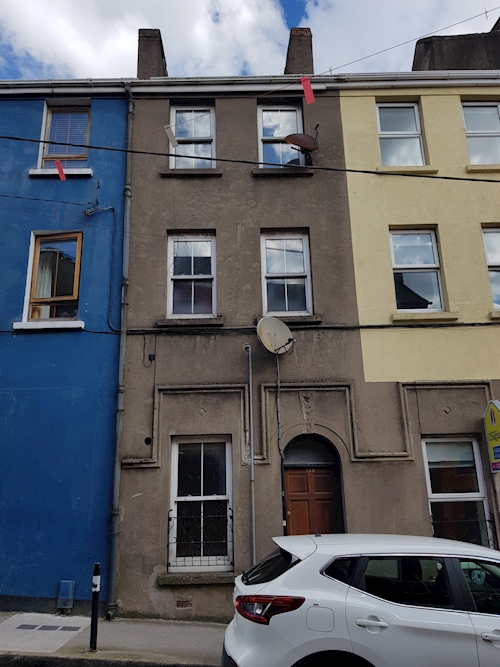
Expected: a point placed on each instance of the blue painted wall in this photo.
(58, 388)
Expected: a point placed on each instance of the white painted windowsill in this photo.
(40, 324)
(67, 172)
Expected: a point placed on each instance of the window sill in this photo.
(494, 315)
(482, 168)
(37, 325)
(283, 171)
(416, 169)
(196, 578)
(297, 319)
(191, 322)
(191, 173)
(412, 316)
(67, 172)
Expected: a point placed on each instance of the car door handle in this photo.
(488, 637)
(371, 623)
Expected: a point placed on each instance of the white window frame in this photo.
(480, 133)
(479, 495)
(200, 563)
(419, 268)
(172, 279)
(277, 140)
(56, 323)
(492, 266)
(193, 140)
(305, 274)
(402, 135)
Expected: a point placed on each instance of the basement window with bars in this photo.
(200, 518)
(69, 130)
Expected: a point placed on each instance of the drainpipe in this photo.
(127, 194)
(248, 350)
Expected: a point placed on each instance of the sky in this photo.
(42, 39)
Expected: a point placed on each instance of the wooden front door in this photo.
(313, 501)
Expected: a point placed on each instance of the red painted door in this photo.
(313, 501)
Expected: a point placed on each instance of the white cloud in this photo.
(98, 38)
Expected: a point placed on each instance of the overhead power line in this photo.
(256, 163)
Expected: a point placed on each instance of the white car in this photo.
(367, 601)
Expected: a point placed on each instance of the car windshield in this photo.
(270, 567)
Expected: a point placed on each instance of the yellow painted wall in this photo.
(455, 210)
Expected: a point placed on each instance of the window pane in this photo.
(452, 468)
(275, 256)
(495, 287)
(484, 150)
(482, 119)
(397, 119)
(483, 579)
(417, 290)
(198, 151)
(182, 297)
(189, 470)
(214, 469)
(77, 163)
(202, 251)
(492, 245)
(202, 123)
(408, 580)
(202, 297)
(460, 520)
(276, 295)
(215, 528)
(189, 529)
(184, 124)
(288, 122)
(342, 569)
(65, 310)
(279, 123)
(183, 251)
(294, 256)
(296, 292)
(56, 269)
(70, 127)
(413, 249)
(401, 152)
(280, 154)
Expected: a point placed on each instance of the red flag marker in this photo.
(62, 175)
(308, 91)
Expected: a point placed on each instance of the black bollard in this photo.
(96, 587)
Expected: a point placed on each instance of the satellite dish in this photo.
(274, 335)
(304, 141)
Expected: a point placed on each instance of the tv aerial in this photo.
(274, 335)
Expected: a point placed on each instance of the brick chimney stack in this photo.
(299, 57)
(150, 58)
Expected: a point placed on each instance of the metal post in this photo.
(96, 587)
(248, 350)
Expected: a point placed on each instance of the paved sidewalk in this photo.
(48, 641)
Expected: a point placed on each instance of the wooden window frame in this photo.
(54, 300)
(279, 139)
(70, 157)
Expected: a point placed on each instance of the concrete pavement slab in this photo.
(121, 641)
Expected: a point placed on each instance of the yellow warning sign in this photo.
(492, 431)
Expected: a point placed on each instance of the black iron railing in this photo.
(200, 539)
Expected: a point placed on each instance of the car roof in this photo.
(303, 546)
